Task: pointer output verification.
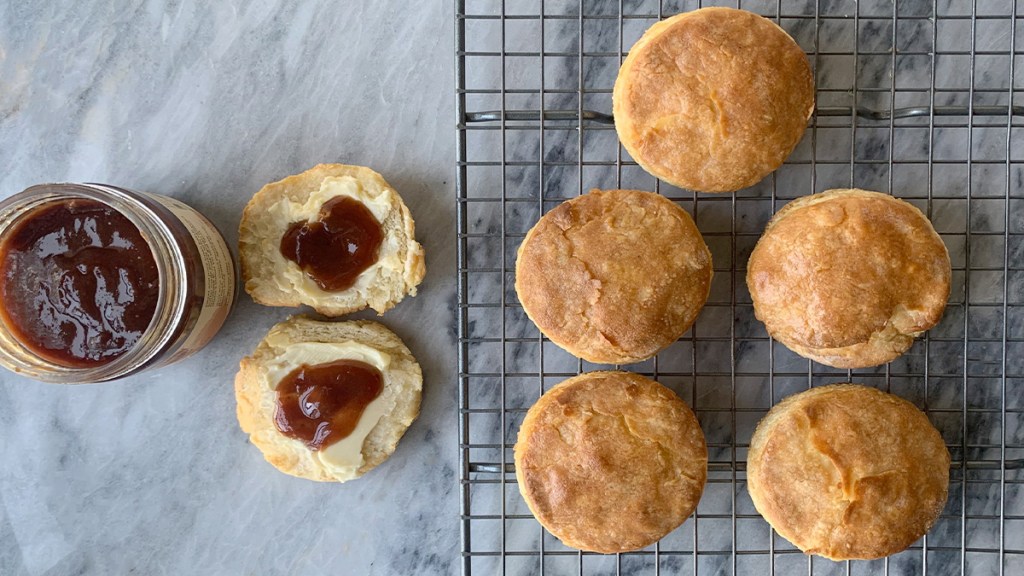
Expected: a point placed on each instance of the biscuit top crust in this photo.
(834, 269)
(847, 471)
(610, 461)
(713, 100)
(614, 276)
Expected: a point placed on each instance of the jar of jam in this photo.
(99, 282)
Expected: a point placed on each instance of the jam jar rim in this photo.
(172, 298)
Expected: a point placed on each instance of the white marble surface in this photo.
(206, 102)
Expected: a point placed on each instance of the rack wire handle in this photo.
(495, 468)
(836, 111)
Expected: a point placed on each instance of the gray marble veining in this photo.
(206, 102)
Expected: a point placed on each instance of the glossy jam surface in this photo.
(79, 283)
(322, 404)
(337, 247)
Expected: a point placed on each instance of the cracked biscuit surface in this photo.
(614, 276)
(849, 278)
(610, 461)
(848, 472)
(713, 100)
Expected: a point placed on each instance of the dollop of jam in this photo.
(78, 283)
(322, 404)
(338, 246)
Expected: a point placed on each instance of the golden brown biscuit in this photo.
(303, 340)
(614, 276)
(274, 280)
(849, 278)
(847, 471)
(610, 461)
(713, 100)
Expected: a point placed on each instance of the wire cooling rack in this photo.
(915, 98)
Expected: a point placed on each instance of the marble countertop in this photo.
(206, 102)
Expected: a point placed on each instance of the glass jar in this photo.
(197, 286)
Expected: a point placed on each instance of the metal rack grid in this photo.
(534, 81)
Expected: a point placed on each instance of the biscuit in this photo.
(274, 280)
(846, 471)
(713, 100)
(610, 461)
(614, 276)
(849, 278)
(302, 340)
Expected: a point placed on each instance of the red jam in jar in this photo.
(78, 283)
(99, 282)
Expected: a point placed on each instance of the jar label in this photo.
(219, 272)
